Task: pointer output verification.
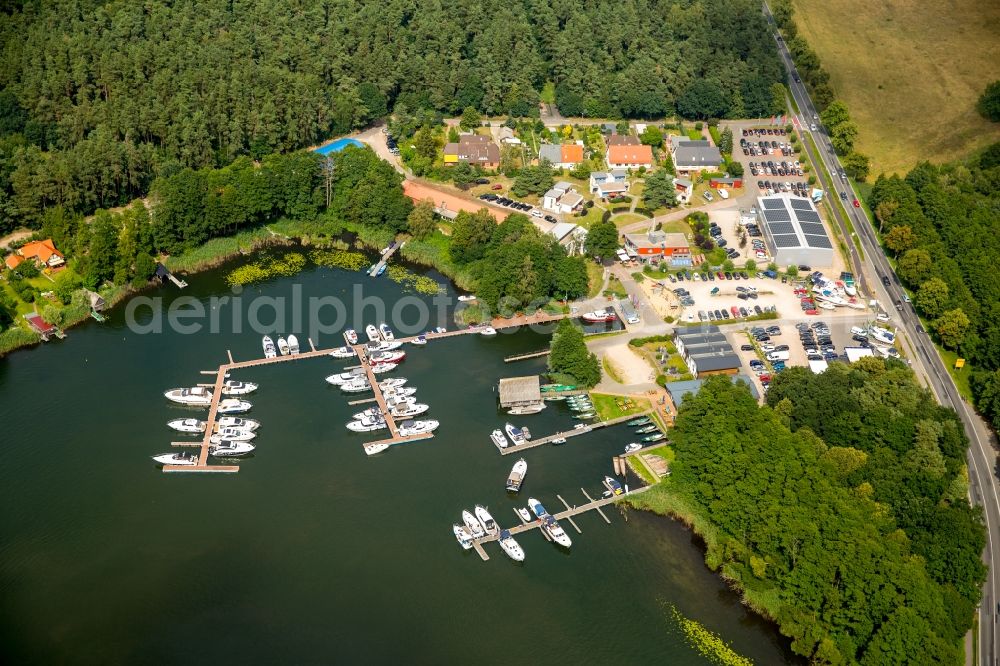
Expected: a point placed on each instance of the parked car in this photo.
(498, 186)
(482, 181)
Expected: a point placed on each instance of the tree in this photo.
(842, 137)
(751, 266)
(951, 327)
(792, 271)
(726, 141)
(932, 297)
(453, 135)
(835, 114)
(899, 239)
(470, 234)
(426, 143)
(103, 251)
(857, 165)
(533, 180)
(421, 222)
(735, 169)
(986, 388)
(602, 239)
(703, 98)
(652, 136)
(568, 355)
(915, 266)
(470, 119)
(570, 278)
(989, 102)
(659, 190)
(463, 175)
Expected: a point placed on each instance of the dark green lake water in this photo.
(315, 553)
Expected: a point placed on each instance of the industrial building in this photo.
(794, 231)
(706, 351)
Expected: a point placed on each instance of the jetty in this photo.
(164, 274)
(590, 427)
(522, 357)
(374, 270)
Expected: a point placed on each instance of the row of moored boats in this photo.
(231, 435)
(481, 524)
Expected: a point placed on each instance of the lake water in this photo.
(314, 552)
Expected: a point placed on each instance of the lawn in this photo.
(626, 219)
(961, 376)
(595, 279)
(611, 370)
(594, 214)
(899, 66)
(609, 406)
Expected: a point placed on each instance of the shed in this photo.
(97, 302)
(520, 391)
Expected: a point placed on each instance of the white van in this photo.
(857, 330)
(777, 356)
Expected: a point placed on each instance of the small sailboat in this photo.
(197, 396)
(385, 332)
(473, 525)
(498, 438)
(293, 344)
(233, 387)
(633, 447)
(283, 346)
(187, 425)
(372, 333)
(178, 458)
(351, 336)
(511, 547)
(269, 349)
(462, 536)
(231, 449)
(486, 519)
(234, 406)
(516, 477)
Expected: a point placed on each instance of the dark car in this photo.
(718, 314)
(804, 268)
(549, 218)
(746, 347)
(729, 276)
(885, 281)
(482, 181)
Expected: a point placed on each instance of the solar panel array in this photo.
(810, 228)
(782, 227)
(777, 216)
(801, 204)
(818, 241)
(773, 204)
(786, 240)
(807, 215)
(787, 217)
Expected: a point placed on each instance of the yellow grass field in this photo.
(910, 72)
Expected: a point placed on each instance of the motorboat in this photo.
(584, 416)
(643, 420)
(232, 435)
(526, 409)
(462, 535)
(233, 387)
(882, 335)
(293, 344)
(498, 438)
(198, 396)
(351, 336)
(410, 428)
(633, 447)
(555, 530)
(643, 430)
(599, 316)
(399, 401)
(559, 440)
(406, 411)
(345, 377)
(511, 547)
(554, 398)
(383, 345)
(440, 329)
(399, 392)
(185, 458)
(283, 346)
(392, 382)
(269, 350)
(465, 298)
(382, 368)
(524, 514)
(385, 332)
(233, 406)
(372, 333)
(359, 385)
(343, 352)
(654, 438)
(473, 525)
(371, 413)
(367, 425)
(487, 331)
(419, 341)
(486, 519)
(231, 449)
(187, 425)
(613, 485)
(516, 477)
(516, 434)
(825, 305)
(387, 357)
(237, 422)
(580, 426)
(537, 508)
(376, 447)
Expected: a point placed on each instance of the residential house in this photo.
(506, 135)
(562, 198)
(561, 156)
(623, 140)
(609, 184)
(570, 236)
(659, 244)
(693, 156)
(473, 149)
(685, 188)
(43, 253)
(629, 156)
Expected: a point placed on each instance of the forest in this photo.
(839, 509)
(101, 98)
(942, 225)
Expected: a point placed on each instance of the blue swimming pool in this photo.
(338, 146)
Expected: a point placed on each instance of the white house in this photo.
(570, 236)
(685, 188)
(609, 184)
(562, 198)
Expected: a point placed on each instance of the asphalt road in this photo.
(982, 457)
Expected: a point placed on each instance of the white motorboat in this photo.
(633, 447)
(370, 413)
(375, 447)
(498, 438)
(613, 485)
(392, 382)
(382, 368)
(367, 425)
(282, 346)
(399, 391)
(555, 530)
(237, 422)
(345, 377)
(462, 535)
(187, 425)
(383, 345)
(559, 440)
(419, 341)
(410, 428)
(198, 396)
(473, 525)
(407, 411)
(440, 329)
(466, 298)
(882, 335)
(488, 331)
(524, 514)
(233, 387)
(517, 474)
(234, 406)
(511, 547)
(232, 435)
(599, 316)
(486, 519)
(516, 434)
(385, 332)
(351, 336)
(372, 333)
(230, 449)
(342, 352)
(537, 508)
(825, 305)
(359, 385)
(293, 344)
(269, 349)
(399, 401)
(526, 409)
(387, 357)
(177, 458)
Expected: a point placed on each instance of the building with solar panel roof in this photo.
(794, 231)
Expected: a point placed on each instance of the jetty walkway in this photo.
(532, 443)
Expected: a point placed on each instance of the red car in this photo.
(498, 186)
(812, 312)
(857, 204)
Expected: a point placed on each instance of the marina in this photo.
(566, 434)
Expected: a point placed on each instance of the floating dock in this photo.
(374, 270)
(532, 443)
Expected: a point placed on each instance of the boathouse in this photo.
(520, 391)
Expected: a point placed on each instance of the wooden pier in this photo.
(532, 443)
(522, 357)
(373, 271)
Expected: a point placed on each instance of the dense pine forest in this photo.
(98, 98)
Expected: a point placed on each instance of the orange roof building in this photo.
(446, 204)
(43, 253)
(624, 157)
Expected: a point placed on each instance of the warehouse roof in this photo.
(792, 222)
(520, 390)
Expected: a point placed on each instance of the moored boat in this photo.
(385, 332)
(599, 316)
(383, 345)
(585, 416)
(466, 297)
(351, 336)
(406, 411)
(516, 434)
(399, 391)
(643, 430)
(370, 413)
(232, 435)
(367, 425)
(381, 368)
(387, 357)
(524, 514)
(197, 396)
(233, 406)
(420, 340)
(463, 537)
(613, 485)
(187, 425)
(230, 449)
(511, 547)
(559, 440)
(392, 382)
(516, 477)
(498, 438)
(342, 352)
(633, 447)
(282, 346)
(486, 519)
(345, 377)
(372, 333)
(269, 350)
(642, 420)
(487, 331)
(526, 409)
(375, 447)
(410, 428)
(236, 422)
(177, 458)
(359, 385)
(555, 530)
(293, 344)
(233, 387)
(654, 438)
(472, 525)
